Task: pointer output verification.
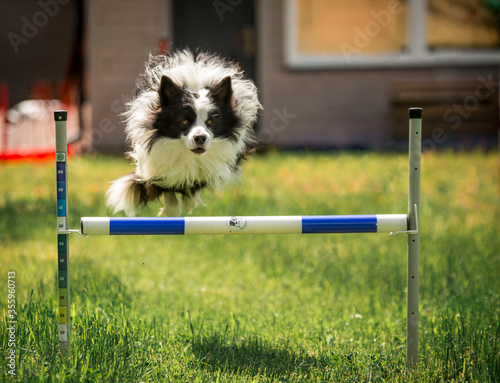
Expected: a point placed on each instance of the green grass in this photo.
(274, 308)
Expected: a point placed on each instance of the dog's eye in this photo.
(211, 121)
(184, 122)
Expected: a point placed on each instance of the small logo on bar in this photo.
(237, 224)
(61, 157)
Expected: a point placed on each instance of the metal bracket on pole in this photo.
(415, 224)
(70, 231)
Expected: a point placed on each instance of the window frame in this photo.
(418, 54)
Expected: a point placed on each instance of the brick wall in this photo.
(121, 34)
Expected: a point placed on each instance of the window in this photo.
(325, 33)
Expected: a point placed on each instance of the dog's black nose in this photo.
(200, 139)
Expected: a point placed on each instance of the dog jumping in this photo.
(189, 127)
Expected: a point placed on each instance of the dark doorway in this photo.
(226, 27)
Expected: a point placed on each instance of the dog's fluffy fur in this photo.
(190, 126)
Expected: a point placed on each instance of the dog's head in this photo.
(197, 117)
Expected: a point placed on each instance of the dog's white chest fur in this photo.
(170, 164)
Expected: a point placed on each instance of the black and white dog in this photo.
(190, 126)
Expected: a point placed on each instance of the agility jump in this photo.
(325, 224)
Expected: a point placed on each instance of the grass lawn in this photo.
(269, 308)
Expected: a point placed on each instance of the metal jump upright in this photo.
(62, 231)
(414, 160)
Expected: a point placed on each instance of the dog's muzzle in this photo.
(198, 140)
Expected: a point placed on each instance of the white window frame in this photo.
(418, 53)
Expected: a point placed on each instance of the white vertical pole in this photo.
(415, 143)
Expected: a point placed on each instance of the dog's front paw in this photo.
(170, 212)
(190, 203)
(162, 212)
(171, 207)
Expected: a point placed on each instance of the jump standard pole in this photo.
(415, 154)
(62, 231)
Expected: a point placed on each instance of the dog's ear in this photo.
(168, 90)
(223, 90)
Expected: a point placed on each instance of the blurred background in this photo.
(331, 75)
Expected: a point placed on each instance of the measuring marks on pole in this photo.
(62, 245)
(62, 254)
(61, 191)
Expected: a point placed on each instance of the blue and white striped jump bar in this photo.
(313, 224)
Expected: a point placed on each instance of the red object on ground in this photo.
(31, 154)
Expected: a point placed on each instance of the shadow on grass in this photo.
(24, 217)
(34, 217)
(94, 286)
(251, 357)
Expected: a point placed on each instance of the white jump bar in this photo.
(375, 223)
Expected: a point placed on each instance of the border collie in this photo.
(189, 127)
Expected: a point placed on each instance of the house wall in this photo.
(359, 107)
(121, 34)
(315, 108)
